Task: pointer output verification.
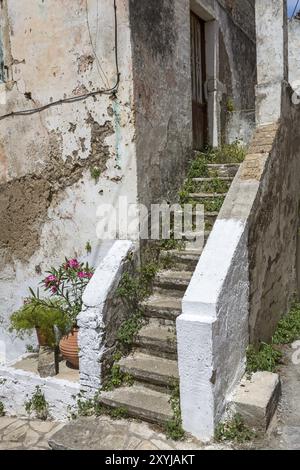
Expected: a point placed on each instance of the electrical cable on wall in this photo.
(73, 99)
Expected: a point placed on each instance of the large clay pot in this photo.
(42, 339)
(68, 346)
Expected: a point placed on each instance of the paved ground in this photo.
(285, 432)
(20, 434)
(88, 433)
(107, 434)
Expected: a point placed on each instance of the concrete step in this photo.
(206, 196)
(210, 219)
(150, 369)
(256, 399)
(209, 180)
(193, 235)
(158, 340)
(162, 307)
(177, 280)
(140, 402)
(185, 258)
(223, 169)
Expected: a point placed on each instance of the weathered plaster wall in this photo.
(274, 227)
(162, 90)
(237, 68)
(294, 50)
(48, 199)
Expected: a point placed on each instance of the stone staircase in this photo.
(153, 362)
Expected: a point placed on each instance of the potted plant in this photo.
(67, 284)
(43, 315)
(57, 313)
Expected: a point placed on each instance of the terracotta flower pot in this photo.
(42, 339)
(68, 346)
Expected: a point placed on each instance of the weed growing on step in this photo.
(288, 329)
(93, 407)
(2, 410)
(119, 412)
(133, 289)
(172, 244)
(265, 358)
(167, 261)
(216, 185)
(174, 426)
(117, 378)
(198, 167)
(38, 405)
(227, 153)
(129, 329)
(234, 430)
(85, 408)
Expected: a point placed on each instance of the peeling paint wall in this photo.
(48, 200)
(140, 140)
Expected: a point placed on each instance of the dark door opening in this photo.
(198, 80)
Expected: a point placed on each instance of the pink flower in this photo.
(84, 275)
(54, 289)
(50, 280)
(72, 263)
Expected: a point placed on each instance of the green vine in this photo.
(116, 377)
(2, 410)
(93, 407)
(38, 404)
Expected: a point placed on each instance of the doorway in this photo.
(198, 71)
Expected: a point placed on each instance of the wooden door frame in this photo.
(212, 54)
(198, 76)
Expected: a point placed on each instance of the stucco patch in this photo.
(23, 207)
(25, 201)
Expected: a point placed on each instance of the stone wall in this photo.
(48, 198)
(274, 225)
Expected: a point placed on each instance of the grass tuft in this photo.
(234, 430)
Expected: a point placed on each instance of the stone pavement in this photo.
(285, 431)
(24, 434)
(89, 433)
